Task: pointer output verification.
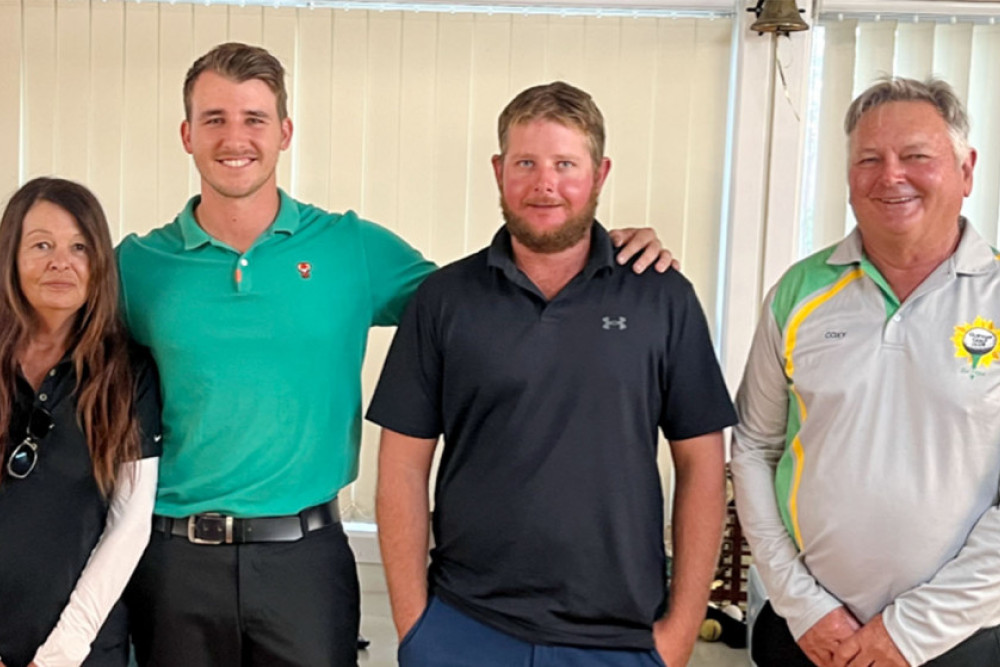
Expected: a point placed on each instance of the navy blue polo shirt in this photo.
(548, 520)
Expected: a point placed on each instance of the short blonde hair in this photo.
(559, 102)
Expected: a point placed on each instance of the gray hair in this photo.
(932, 91)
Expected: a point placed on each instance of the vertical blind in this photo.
(851, 55)
(394, 116)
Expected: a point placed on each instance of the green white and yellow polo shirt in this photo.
(867, 458)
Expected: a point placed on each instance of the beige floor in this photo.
(376, 625)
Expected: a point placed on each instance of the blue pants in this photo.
(444, 637)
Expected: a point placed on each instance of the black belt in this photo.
(215, 528)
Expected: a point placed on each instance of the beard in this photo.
(568, 234)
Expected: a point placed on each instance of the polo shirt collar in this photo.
(973, 254)
(64, 368)
(848, 250)
(602, 252)
(286, 222)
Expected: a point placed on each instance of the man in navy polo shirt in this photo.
(548, 368)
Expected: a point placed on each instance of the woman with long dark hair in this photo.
(79, 434)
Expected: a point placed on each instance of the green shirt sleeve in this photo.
(395, 270)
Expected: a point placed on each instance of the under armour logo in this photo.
(618, 323)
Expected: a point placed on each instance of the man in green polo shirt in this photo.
(256, 308)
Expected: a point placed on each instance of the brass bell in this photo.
(777, 16)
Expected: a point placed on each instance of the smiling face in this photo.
(53, 261)
(548, 184)
(234, 135)
(906, 183)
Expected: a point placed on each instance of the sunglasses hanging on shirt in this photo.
(24, 457)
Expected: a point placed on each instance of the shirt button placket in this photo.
(243, 277)
(894, 330)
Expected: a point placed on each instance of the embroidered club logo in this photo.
(305, 270)
(614, 323)
(976, 343)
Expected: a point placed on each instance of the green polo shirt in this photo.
(260, 352)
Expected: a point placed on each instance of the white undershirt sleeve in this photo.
(111, 563)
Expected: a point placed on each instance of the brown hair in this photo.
(98, 342)
(559, 102)
(239, 62)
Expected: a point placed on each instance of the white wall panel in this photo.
(602, 67)
(952, 55)
(565, 45)
(71, 156)
(381, 93)
(246, 24)
(10, 104)
(318, 154)
(173, 163)
(831, 207)
(348, 82)
(983, 207)
(209, 26)
(416, 217)
(707, 97)
(877, 41)
(915, 49)
(140, 120)
(631, 106)
(451, 137)
(40, 87)
(671, 143)
(107, 108)
(488, 93)
(280, 27)
(528, 36)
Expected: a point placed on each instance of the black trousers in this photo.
(773, 646)
(248, 605)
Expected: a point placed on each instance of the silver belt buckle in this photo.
(212, 518)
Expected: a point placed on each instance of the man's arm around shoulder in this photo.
(403, 513)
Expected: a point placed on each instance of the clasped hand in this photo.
(838, 640)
